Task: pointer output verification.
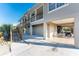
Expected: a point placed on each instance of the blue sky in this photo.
(11, 12)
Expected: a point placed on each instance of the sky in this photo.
(10, 13)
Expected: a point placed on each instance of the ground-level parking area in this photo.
(69, 41)
(60, 31)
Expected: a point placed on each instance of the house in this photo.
(51, 20)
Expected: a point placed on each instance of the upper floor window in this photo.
(59, 4)
(51, 6)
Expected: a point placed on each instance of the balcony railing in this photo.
(39, 16)
(32, 18)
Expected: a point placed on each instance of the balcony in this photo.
(32, 18)
(40, 16)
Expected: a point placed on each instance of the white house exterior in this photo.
(44, 18)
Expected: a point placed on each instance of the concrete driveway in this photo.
(40, 47)
(34, 47)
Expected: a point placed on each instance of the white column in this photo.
(30, 30)
(52, 31)
(45, 30)
(76, 32)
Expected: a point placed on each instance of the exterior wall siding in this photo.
(67, 11)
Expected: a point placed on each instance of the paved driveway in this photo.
(4, 49)
(40, 47)
(35, 47)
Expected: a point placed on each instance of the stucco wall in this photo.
(65, 11)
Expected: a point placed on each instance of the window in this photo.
(59, 4)
(51, 6)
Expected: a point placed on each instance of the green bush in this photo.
(6, 28)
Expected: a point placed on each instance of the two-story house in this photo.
(51, 20)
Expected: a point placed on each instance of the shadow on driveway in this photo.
(61, 45)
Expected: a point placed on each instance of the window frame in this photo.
(54, 7)
(59, 4)
(65, 4)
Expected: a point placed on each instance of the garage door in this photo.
(38, 29)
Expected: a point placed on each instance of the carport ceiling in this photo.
(64, 21)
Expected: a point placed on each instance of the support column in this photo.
(45, 30)
(52, 30)
(76, 32)
(30, 30)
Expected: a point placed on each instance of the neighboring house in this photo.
(48, 20)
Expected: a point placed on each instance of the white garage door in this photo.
(38, 29)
